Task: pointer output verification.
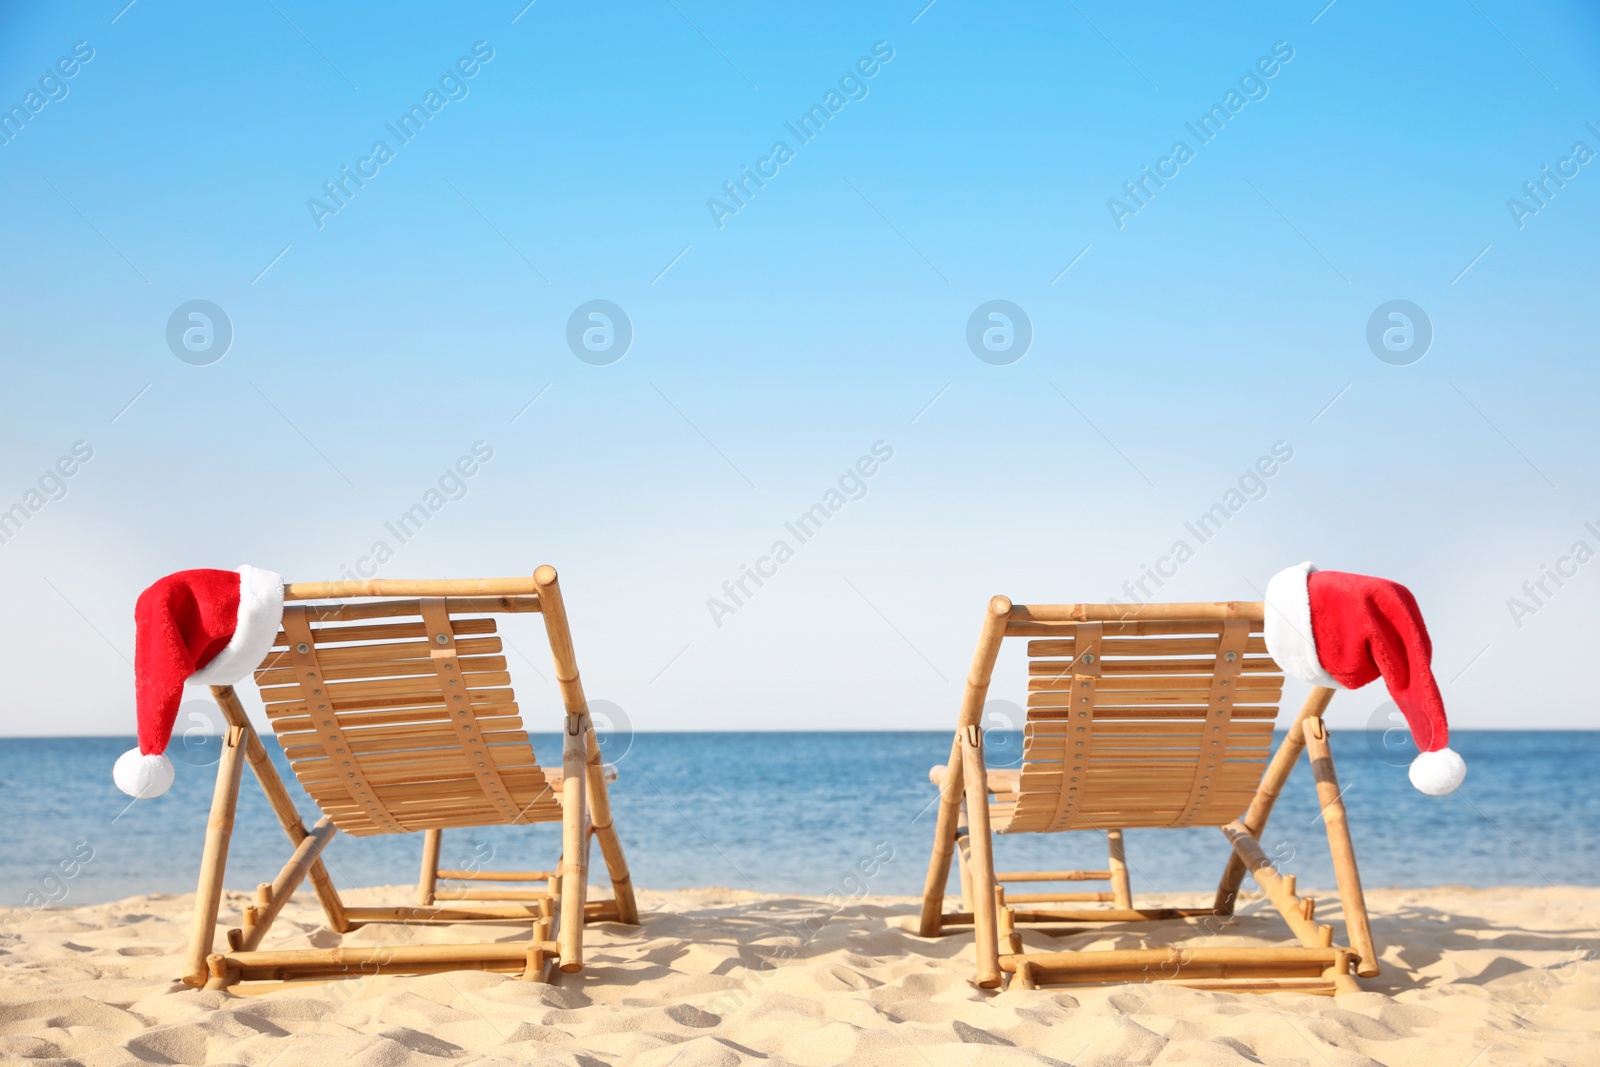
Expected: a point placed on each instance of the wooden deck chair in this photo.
(394, 708)
(1149, 715)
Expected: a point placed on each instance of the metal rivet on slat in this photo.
(1088, 657)
(302, 648)
(443, 639)
(1230, 656)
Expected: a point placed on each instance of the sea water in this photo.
(808, 813)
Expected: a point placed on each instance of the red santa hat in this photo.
(208, 627)
(1342, 631)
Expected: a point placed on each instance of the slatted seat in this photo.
(394, 706)
(391, 729)
(1147, 716)
(1139, 724)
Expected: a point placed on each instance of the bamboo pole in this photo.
(1054, 876)
(576, 764)
(1277, 773)
(389, 609)
(559, 632)
(1345, 871)
(1279, 890)
(1252, 610)
(1085, 915)
(379, 958)
(983, 884)
(1121, 889)
(490, 894)
(442, 913)
(605, 831)
(1008, 924)
(1339, 975)
(494, 876)
(410, 587)
(214, 861)
(281, 803)
(972, 699)
(282, 888)
(537, 967)
(574, 814)
(428, 883)
(1281, 958)
(963, 861)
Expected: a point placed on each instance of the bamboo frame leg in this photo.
(214, 861)
(1339, 975)
(972, 698)
(573, 816)
(1342, 848)
(282, 804)
(272, 898)
(605, 831)
(1121, 889)
(581, 761)
(1008, 922)
(945, 835)
(1280, 889)
(432, 840)
(1255, 818)
(984, 921)
(963, 860)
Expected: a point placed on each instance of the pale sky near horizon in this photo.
(569, 154)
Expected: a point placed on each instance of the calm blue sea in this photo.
(797, 812)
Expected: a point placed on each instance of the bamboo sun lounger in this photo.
(1149, 715)
(394, 708)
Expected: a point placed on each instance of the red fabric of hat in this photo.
(1341, 630)
(211, 627)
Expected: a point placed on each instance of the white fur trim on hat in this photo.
(142, 777)
(1290, 639)
(260, 614)
(1438, 773)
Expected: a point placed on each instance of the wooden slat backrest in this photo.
(398, 714)
(1145, 723)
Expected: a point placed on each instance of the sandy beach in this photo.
(720, 977)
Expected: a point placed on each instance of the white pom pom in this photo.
(1438, 773)
(141, 776)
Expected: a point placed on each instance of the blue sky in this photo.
(830, 313)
